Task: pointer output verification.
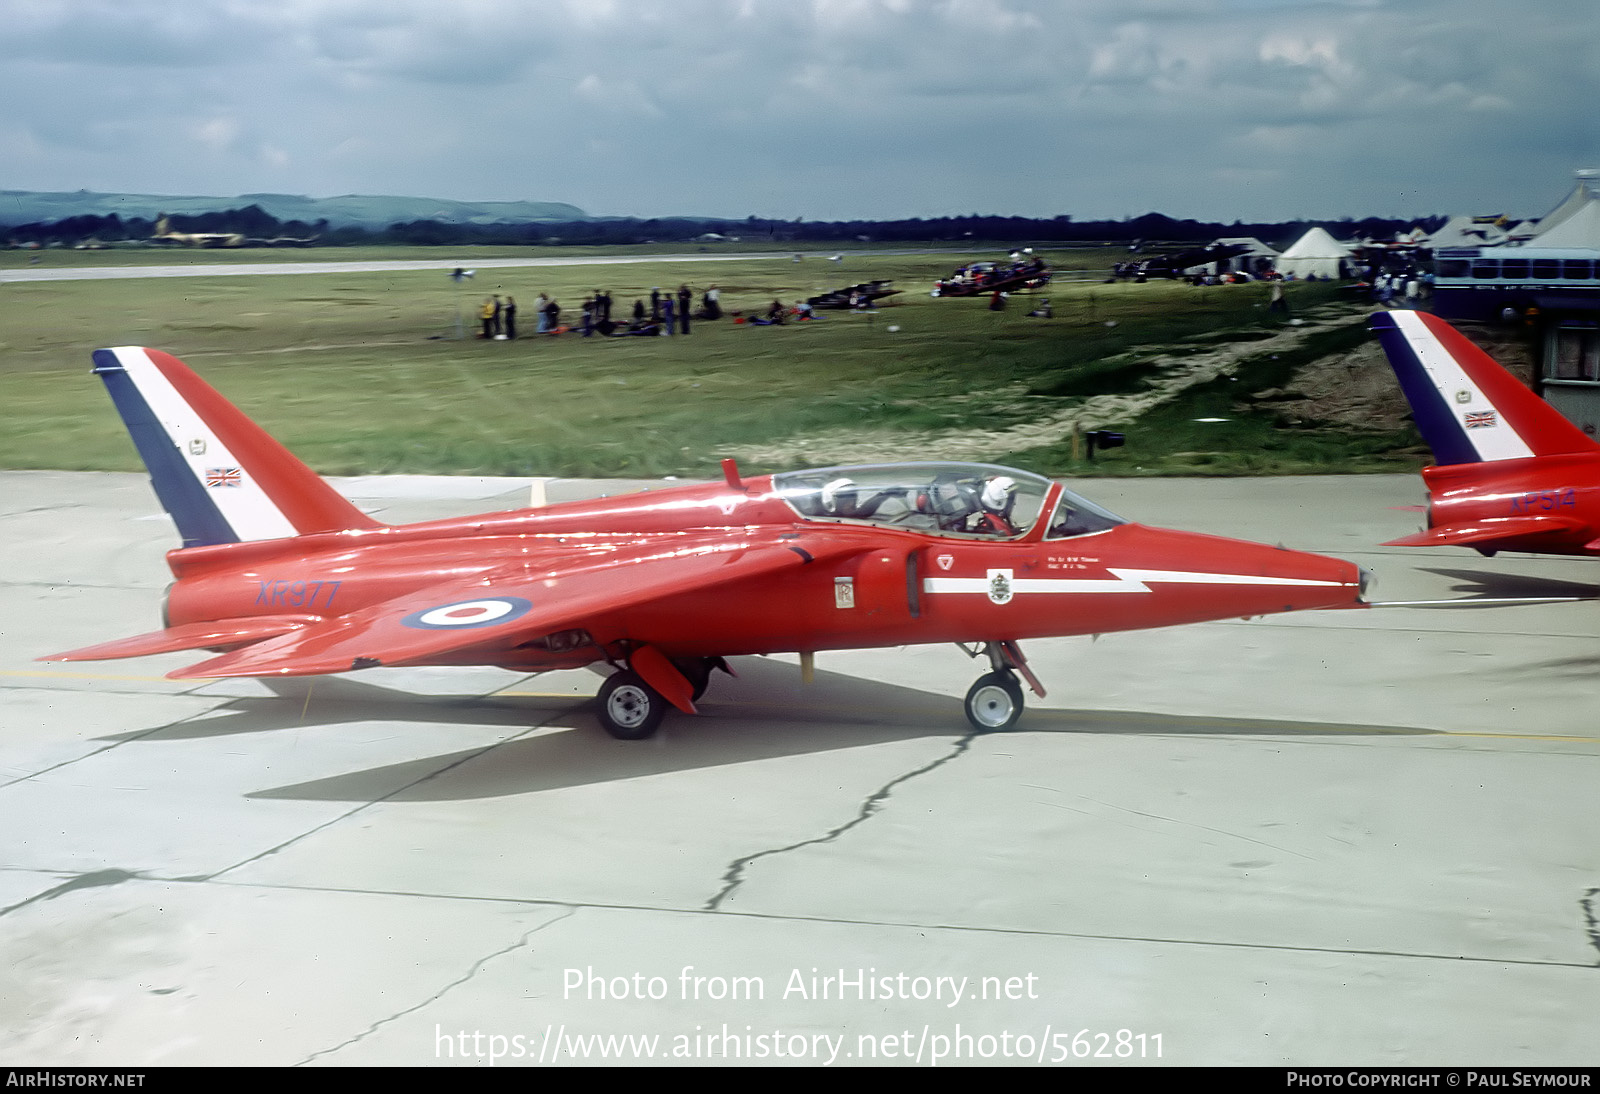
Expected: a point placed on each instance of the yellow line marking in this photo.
(85, 676)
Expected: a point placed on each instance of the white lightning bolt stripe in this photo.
(1127, 581)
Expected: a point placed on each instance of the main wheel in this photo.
(995, 702)
(630, 709)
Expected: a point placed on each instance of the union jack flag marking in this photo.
(1480, 419)
(222, 476)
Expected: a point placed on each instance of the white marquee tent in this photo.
(1581, 230)
(1315, 254)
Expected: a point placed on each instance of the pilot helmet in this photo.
(997, 492)
(838, 492)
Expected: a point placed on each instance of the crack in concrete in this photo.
(379, 800)
(477, 967)
(139, 736)
(736, 871)
(1591, 918)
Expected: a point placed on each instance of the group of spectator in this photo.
(1408, 287)
(667, 313)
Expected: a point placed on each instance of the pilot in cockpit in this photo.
(842, 498)
(998, 498)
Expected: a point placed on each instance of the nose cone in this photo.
(1203, 576)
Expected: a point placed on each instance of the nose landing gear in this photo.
(994, 703)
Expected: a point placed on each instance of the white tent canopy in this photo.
(1584, 194)
(1315, 254)
(1245, 260)
(1576, 221)
(1468, 231)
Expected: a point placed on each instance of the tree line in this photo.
(254, 222)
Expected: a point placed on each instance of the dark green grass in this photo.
(1175, 438)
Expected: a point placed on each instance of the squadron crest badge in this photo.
(1000, 586)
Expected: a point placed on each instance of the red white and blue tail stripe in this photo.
(1468, 408)
(222, 478)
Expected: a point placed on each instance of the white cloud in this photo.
(824, 108)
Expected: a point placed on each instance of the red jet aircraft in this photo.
(282, 576)
(1513, 473)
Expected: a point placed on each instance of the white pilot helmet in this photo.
(831, 492)
(997, 491)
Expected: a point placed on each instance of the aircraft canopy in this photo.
(944, 498)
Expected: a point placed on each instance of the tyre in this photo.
(994, 703)
(630, 709)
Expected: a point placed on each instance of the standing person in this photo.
(1279, 303)
(552, 313)
(508, 317)
(498, 308)
(655, 304)
(486, 316)
(711, 303)
(685, 298)
(602, 306)
(541, 312)
(587, 321)
(668, 320)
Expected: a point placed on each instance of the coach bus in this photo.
(1481, 283)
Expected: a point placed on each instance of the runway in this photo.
(251, 269)
(1337, 838)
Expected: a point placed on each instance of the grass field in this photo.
(369, 373)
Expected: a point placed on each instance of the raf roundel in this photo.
(469, 613)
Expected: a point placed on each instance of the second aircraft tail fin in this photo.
(1468, 408)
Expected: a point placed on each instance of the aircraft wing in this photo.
(190, 636)
(1488, 530)
(511, 604)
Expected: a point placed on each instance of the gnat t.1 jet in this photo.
(1513, 474)
(279, 575)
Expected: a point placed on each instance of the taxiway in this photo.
(1337, 838)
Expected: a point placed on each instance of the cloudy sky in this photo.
(1215, 109)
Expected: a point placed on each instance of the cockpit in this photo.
(961, 499)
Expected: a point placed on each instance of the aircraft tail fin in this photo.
(1469, 409)
(222, 478)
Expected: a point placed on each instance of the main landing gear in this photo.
(631, 709)
(994, 702)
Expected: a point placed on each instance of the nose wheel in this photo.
(995, 702)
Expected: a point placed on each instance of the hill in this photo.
(349, 210)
